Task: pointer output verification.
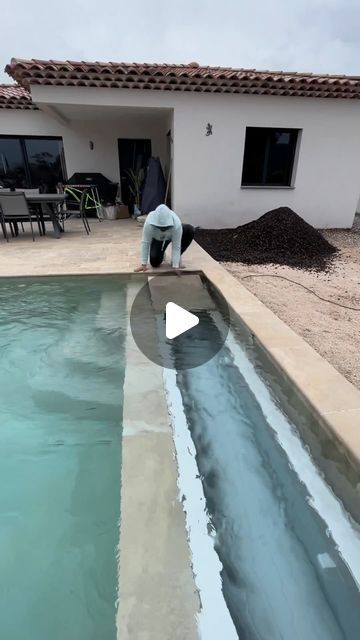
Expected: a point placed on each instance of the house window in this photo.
(12, 165)
(269, 157)
(31, 162)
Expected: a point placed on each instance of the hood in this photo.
(162, 216)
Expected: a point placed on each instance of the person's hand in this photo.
(143, 267)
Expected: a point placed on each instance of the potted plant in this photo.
(136, 180)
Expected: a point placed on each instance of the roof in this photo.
(14, 97)
(185, 77)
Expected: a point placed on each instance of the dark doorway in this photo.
(134, 155)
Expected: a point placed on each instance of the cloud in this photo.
(304, 35)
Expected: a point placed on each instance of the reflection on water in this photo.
(282, 575)
(61, 379)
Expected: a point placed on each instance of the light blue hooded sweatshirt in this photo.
(162, 217)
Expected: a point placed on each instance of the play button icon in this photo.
(178, 320)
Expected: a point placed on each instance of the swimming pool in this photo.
(61, 381)
(274, 553)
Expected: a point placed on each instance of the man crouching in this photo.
(161, 227)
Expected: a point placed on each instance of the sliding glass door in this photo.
(31, 162)
(12, 165)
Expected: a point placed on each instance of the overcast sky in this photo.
(297, 35)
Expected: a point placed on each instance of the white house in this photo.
(239, 142)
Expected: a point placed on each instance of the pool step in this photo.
(187, 291)
(83, 366)
(93, 389)
(97, 339)
(110, 312)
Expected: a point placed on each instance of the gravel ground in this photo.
(333, 331)
(280, 236)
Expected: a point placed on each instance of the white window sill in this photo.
(265, 186)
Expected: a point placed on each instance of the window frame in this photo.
(22, 139)
(293, 159)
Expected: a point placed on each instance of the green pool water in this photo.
(61, 381)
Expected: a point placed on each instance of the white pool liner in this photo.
(214, 619)
(342, 529)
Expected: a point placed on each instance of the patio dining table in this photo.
(54, 200)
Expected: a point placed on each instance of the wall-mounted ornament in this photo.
(91, 145)
(209, 129)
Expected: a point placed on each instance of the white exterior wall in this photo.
(104, 158)
(77, 134)
(207, 171)
(327, 180)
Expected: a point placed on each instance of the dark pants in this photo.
(157, 250)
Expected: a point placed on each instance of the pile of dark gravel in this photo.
(279, 236)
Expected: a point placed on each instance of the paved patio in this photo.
(112, 247)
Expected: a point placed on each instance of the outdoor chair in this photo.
(14, 209)
(27, 192)
(33, 208)
(80, 212)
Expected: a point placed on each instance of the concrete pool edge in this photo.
(332, 398)
(157, 592)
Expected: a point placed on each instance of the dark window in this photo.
(269, 156)
(45, 161)
(31, 162)
(12, 164)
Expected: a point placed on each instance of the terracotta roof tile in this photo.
(12, 96)
(181, 77)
